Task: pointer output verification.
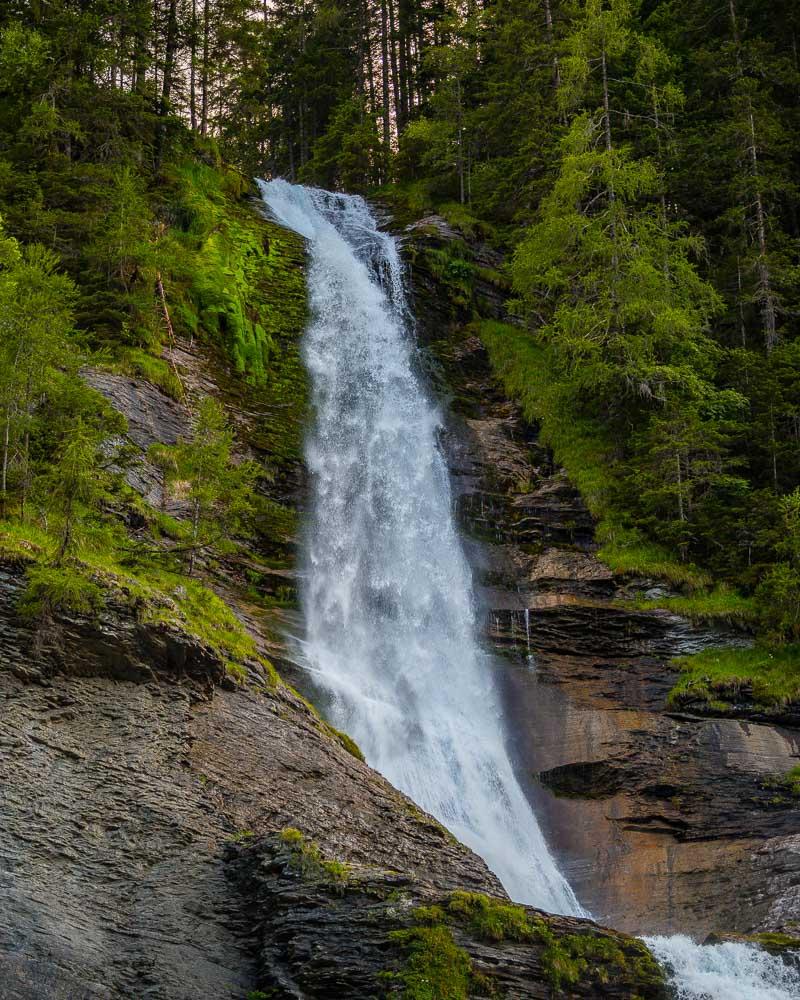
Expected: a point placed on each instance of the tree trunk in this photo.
(398, 111)
(404, 110)
(764, 293)
(766, 296)
(742, 325)
(193, 69)
(195, 536)
(460, 151)
(373, 107)
(204, 71)
(66, 532)
(548, 18)
(170, 52)
(6, 449)
(612, 198)
(387, 139)
(140, 49)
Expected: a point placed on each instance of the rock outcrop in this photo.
(663, 821)
(359, 932)
(127, 769)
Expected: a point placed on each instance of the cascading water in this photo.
(388, 603)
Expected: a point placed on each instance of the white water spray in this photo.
(727, 971)
(388, 597)
(391, 631)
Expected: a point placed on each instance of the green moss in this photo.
(569, 959)
(787, 784)
(242, 836)
(23, 542)
(59, 588)
(137, 362)
(435, 967)
(237, 671)
(347, 742)
(424, 820)
(791, 782)
(157, 595)
(490, 918)
(247, 280)
(236, 280)
(719, 604)
(719, 677)
(624, 552)
(453, 270)
(771, 941)
(276, 521)
(308, 859)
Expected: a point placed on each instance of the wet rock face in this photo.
(662, 821)
(125, 774)
(321, 938)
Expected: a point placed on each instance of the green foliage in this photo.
(435, 967)
(137, 362)
(71, 485)
(626, 323)
(36, 303)
(308, 859)
(719, 604)
(219, 491)
(720, 678)
(778, 595)
(583, 447)
(491, 919)
(59, 588)
(347, 156)
(789, 785)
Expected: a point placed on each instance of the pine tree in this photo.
(627, 313)
(218, 490)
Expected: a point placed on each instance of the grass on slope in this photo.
(584, 450)
(720, 604)
(158, 595)
(718, 677)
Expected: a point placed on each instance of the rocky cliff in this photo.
(174, 830)
(663, 820)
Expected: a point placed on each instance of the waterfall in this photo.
(390, 623)
(387, 595)
(727, 971)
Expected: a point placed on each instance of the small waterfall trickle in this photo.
(391, 629)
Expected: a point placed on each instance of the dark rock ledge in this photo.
(339, 933)
(134, 773)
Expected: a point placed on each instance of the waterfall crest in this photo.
(391, 631)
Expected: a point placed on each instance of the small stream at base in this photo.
(387, 596)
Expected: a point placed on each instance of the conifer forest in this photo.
(400, 450)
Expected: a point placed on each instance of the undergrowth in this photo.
(308, 859)
(721, 677)
(719, 604)
(585, 451)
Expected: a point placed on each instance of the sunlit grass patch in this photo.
(768, 676)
